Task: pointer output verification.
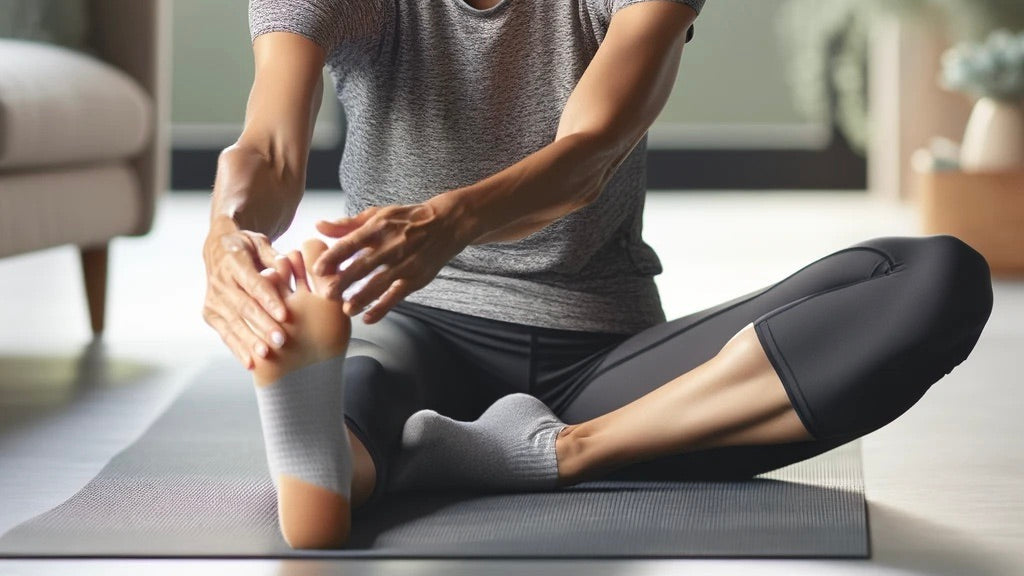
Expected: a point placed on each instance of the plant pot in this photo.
(994, 137)
(984, 209)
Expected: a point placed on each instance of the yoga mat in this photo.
(195, 484)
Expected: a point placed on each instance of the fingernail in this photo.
(277, 339)
(261, 349)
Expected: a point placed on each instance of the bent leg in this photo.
(854, 339)
(394, 368)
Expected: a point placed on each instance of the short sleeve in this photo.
(616, 5)
(328, 23)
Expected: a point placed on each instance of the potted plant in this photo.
(992, 71)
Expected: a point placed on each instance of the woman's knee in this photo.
(959, 276)
(931, 310)
(945, 287)
(946, 299)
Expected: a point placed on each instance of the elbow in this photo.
(591, 193)
(596, 153)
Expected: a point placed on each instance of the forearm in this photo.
(260, 178)
(554, 181)
(616, 100)
(242, 198)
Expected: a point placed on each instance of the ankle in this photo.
(571, 452)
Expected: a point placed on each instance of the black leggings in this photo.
(857, 337)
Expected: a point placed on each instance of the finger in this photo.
(396, 293)
(234, 344)
(366, 237)
(364, 265)
(246, 334)
(299, 270)
(280, 276)
(258, 287)
(330, 261)
(342, 226)
(264, 328)
(338, 228)
(375, 286)
(264, 250)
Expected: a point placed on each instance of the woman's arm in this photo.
(279, 119)
(260, 181)
(616, 100)
(614, 103)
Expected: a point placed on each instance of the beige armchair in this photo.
(83, 146)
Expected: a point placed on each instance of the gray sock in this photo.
(303, 421)
(511, 447)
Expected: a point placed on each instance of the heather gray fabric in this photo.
(196, 484)
(302, 433)
(439, 95)
(509, 448)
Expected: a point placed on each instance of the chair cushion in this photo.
(84, 205)
(59, 107)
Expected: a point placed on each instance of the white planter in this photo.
(994, 137)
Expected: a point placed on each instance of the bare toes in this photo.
(298, 265)
(311, 251)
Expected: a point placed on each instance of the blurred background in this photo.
(796, 128)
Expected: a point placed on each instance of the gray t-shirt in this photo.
(439, 95)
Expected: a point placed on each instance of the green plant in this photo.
(993, 68)
(827, 46)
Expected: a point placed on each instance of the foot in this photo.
(310, 514)
(316, 330)
(510, 447)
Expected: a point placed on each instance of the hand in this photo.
(405, 245)
(242, 303)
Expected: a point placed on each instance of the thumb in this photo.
(336, 228)
(342, 226)
(265, 252)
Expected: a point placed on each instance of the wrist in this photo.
(454, 207)
(253, 191)
(220, 226)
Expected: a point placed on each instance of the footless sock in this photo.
(510, 447)
(302, 415)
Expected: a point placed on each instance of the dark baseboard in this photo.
(836, 167)
(194, 170)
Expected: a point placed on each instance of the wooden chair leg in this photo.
(94, 271)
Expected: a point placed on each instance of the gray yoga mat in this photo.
(195, 484)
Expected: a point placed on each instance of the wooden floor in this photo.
(944, 481)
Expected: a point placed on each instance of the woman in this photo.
(513, 336)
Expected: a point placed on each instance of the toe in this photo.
(311, 251)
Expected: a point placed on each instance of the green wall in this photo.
(731, 72)
(733, 69)
(213, 64)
